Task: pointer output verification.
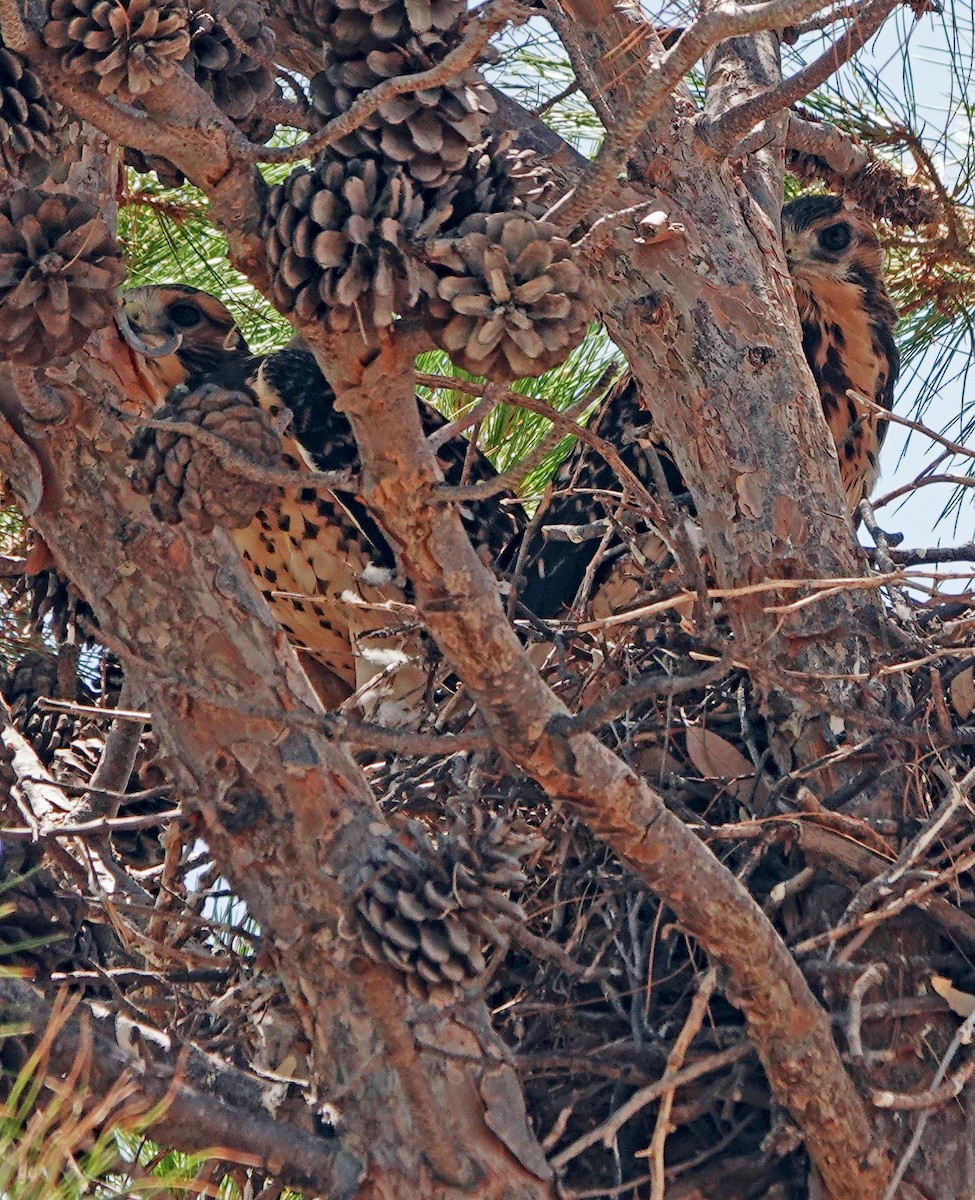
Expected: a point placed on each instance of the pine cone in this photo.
(509, 301)
(33, 678)
(231, 54)
(26, 119)
(40, 933)
(130, 44)
(188, 481)
(428, 132)
(75, 763)
(55, 607)
(496, 178)
(336, 243)
(59, 268)
(432, 911)
(354, 27)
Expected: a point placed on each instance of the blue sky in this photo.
(915, 59)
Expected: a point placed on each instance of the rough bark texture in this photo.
(286, 812)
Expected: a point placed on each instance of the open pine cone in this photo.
(34, 677)
(497, 178)
(130, 44)
(429, 133)
(354, 27)
(433, 911)
(59, 270)
(186, 479)
(231, 54)
(26, 120)
(336, 241)
(509, 299)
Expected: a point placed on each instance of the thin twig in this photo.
(474, 416)
(854, 1018)
(644, 687)
(661, 77)
(963, 1036)
(934, 554)
(897, 419)
(585, 80)
(901, 606)
(931, 1099)
(675, 1060)
(101, 826)
(724, 132)
(608, 1129)
(512, 479)
(490, 19)
(922, 481)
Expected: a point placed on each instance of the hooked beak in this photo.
(132, 339)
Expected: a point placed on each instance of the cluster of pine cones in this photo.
(415, 205)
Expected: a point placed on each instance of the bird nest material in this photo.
(595, 985)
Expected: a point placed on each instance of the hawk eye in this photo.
(185, 316)
(835, 238)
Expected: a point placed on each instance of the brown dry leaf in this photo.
(714, 757)
(962, 689)
(962, 1003)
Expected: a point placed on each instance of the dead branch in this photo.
(216, 1106)
(723, 133)
(675, 1060)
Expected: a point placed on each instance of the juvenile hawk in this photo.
(319, 556)
(848, 323)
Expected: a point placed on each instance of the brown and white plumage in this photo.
(318, 555)
(847, 320)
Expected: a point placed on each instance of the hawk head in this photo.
(203, 336)
(828, 241)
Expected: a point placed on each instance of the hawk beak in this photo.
(133, 340)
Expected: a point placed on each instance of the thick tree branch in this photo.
(660, 78)
(287, 814)
(457, 598)
(723, 133)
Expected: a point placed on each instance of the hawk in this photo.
(847, 320)
(320, 558)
